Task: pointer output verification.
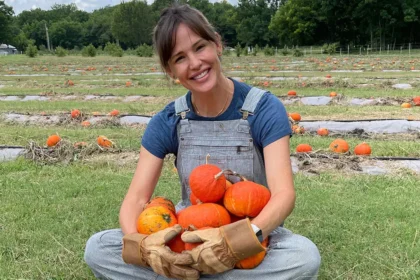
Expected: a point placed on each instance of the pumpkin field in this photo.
(71, 128)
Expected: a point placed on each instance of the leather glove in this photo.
(150, 250)
(223, 247)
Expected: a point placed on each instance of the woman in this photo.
(242, 128)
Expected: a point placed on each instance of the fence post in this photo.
(409, 49)
(348, 50)
(401, 50)
(276, 50)
(304, 51)
(380, 50)
(311, 50)
(360, 51)
(340, 51)
(387, 52)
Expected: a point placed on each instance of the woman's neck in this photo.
(213, 104)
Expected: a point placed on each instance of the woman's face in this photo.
(194, 61)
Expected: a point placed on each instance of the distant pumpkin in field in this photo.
(291, 92)
(339, 146)
(333, 94)
(295, 116)
(322, 131)
(114, 113)
(406, 105)
(303, 148)
(104, 142)
(362, 149)
(75, 113)
(53, 140)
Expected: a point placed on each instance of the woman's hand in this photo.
(223, 247)
(151, 250)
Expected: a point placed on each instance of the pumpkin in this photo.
(297, 129)
(75, 113)
(253, 261)
(333, 94)
(79, 145)
(114, 113)
(128, 84)
(362, 149)
(291, 92)
(303, 148)
(328, 76)
(295, 116)
(416, 101)
(161, 201)
(176, 244)
(53, 140)
(190, 246)
(339, 146)
(69, 83)
(154, 219)
(246, 198)
(193, 199)
(85, 123)
(406, 105)
(322, 131)
(207, 182)
(203, 215)
(104, 142)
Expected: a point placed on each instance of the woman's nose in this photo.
(195, 62)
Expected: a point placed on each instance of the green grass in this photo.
(366, 227)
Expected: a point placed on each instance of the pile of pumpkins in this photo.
(215, 202)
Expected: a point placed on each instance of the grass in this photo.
(366, 227)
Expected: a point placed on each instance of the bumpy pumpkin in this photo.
(207, 182)
(303, 148)
(53, 140)
(161, 201)
(203, 215)
(362, 149)
(154, 219)
(253, 261)
(246, 198)
(339, 146)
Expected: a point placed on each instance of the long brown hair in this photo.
(164, 33)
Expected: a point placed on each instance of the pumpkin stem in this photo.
(207, 158)
(217, 176)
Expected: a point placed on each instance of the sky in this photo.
(85, 5)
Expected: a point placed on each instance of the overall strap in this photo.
(181, 106)
(253, 97)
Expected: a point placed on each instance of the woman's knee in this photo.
(92, 250)
(311, 258)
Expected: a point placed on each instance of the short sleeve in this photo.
(270, 122)
(157, 137)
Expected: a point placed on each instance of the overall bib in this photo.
(230, 146)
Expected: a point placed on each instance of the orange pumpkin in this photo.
(154, 219)
(328, 76)
(207, 182)
(295, 116)
(104, 142)
(339, 146)
(333, 94)
(75, 113)
(114, 113)
(161, 201)
(246, 198)
(203, 215)
(291, 92)
(406, 105)
(322, 131)
(128, 84)
(298, 129)
(193, 199)
(253, 261)
(303, 148)
(416, 101)
(53, 140)
(85, 123)
(362, 149)
(176, 244)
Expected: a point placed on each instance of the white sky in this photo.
(85, 5)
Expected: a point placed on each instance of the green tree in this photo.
(6, 14)
(133, 23)
(66, 34)
(98, 27)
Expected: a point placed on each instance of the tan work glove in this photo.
(150, 250)
(223, 247)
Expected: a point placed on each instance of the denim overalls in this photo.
(229, 145)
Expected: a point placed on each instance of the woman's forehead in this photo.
(185, 37)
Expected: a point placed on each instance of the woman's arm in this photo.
(141, 189)
(280, 182)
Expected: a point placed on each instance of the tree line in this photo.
(250, 23)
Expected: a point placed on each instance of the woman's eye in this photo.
(200, 47)
(179, 58)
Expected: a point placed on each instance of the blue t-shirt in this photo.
(268, 124)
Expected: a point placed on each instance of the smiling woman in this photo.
(242, 128)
